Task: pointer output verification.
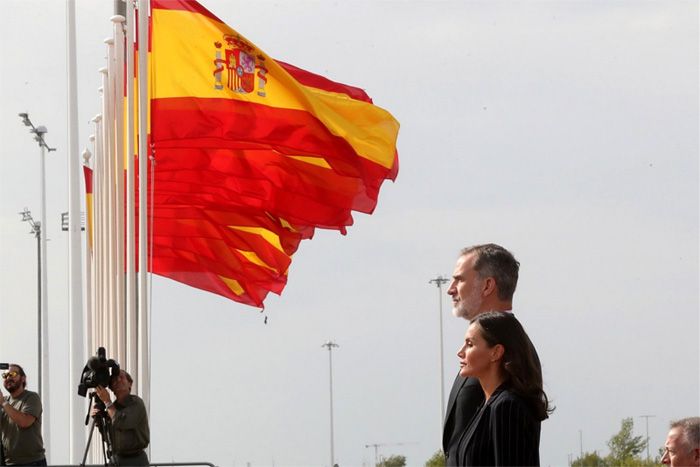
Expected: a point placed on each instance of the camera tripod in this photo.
(103, 423)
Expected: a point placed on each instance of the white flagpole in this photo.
(119, 353)
(96, 318)
(89, 263)
(76, 335)
(98, 291)
(106, 189)
(144, 309)
(111, 195)
(131, 317)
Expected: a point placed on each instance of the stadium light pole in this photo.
(39, 132)
(647, 417)
(330, 344)
(439, 281)
(36, 231)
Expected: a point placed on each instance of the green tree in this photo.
(624, 447)
(438, 460)
(393, 461)
(589, 459)
(625, 451)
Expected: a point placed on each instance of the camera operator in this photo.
(20, 421)
(130, 432)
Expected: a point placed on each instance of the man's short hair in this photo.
(495, 261)
(126, 373)
(690, 427)
(21, 372)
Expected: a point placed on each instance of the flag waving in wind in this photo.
(251, 155)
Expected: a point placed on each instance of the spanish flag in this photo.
(251, 155)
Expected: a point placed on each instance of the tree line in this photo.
(625, 449)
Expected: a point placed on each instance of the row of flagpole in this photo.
(112, 316)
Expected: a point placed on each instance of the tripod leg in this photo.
(87, 446)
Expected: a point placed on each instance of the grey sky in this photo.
(565, 131)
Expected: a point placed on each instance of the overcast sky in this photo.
(565, 131)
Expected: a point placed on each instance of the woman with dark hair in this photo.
(506, 429)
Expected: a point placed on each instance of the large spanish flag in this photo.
(251, 154)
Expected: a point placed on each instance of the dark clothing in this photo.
(23, 446)
(465, 399)
(463, 404)
(140, 459)
(130, 432)
(37, 463)
(504, 432)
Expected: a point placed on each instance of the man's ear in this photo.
(489, 287)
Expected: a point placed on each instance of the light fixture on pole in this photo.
(647, 417)
(330, 344)
(439, 281)
(39, 132)
(36, 231)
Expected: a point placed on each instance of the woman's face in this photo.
(475, 356)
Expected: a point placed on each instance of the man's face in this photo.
(120, 385)
(466, 288)
(677, 453)
(12, 379)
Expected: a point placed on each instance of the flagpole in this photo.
(144, 247)
(89, 248)
(112, 270)
(76, 334)
(131, 311)
(98, 289)
(119, 154)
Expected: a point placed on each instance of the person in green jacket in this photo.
(129, 428)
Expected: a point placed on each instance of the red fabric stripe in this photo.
(211, 224)
(87, 173)
(198, 276)
(183, 5)
(260, 174)
(321, 82)
(223, 123)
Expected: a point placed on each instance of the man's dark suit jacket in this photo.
(504, 432)
(464, 401)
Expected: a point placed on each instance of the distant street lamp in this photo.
(439, 281)
(36, 231)
(44, 392)
(647, 417)
(330, 344)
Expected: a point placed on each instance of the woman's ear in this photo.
(497, 352)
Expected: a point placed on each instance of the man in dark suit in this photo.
(484, 279)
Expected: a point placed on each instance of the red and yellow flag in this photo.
(89, 210)
(251, 155)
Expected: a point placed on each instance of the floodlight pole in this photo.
(330, 344)
(439, 281)
(580, 441)
(44, 392)
(36, 231)
(647, 417)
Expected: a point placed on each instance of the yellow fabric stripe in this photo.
(233, 284)
(185, 68)
(318, 161)
(267, 235)
(287, 225)
(255, 259)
